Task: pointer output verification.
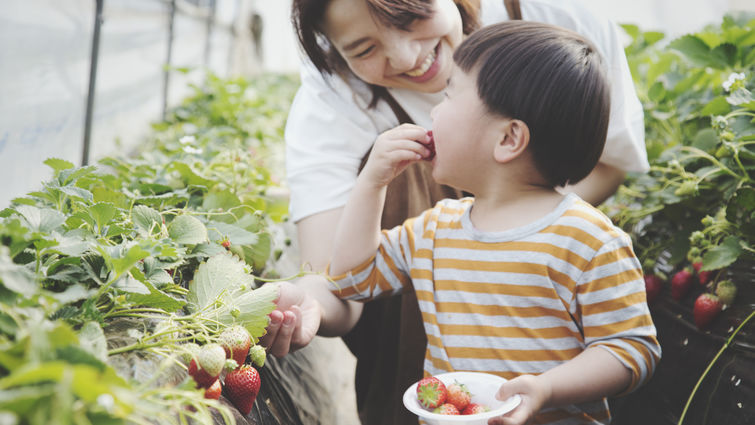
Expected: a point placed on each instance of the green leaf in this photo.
(251, 309)
(127, 283)
(58, 164)
(693, 48)
(16, 277)
(235, 234)
(705, 139)
(123, 257)
(145, 218)
(217, 277)
(102, 213)
(722, 255)
(187, 229)
(92, 339)
(154, 298)
(73, 293)
(223, 200)
(717, 106)
(77, 192)
(40, 220)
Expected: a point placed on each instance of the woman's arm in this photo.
(599, 185)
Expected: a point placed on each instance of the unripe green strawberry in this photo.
(236, 342)
(188, 352)
(242, 386)
(726, 291)
(208, 364)
(258, 355)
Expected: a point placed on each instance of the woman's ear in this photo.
(515, 137)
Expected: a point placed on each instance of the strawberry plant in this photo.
(116, 278)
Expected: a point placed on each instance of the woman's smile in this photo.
(427, 69)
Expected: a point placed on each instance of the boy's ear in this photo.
(515, 137)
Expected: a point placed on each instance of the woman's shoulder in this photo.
(571, 14)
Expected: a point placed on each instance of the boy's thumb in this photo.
(512, 387)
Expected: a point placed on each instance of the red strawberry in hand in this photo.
(653, 286)
(474, 409)
(680, 283)
(207, 365)
(707, 307)
(236, 342)
(446, 409)
(431, 392)
(431, 146)
(458, 395)
(242, 386)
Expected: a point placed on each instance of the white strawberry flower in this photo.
(185, 140)
(734, 81)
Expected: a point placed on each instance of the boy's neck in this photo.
(508, 208)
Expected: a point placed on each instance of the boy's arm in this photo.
(593, 374)
(358, 235)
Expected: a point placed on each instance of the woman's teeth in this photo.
(420, 70)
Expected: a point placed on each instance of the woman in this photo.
(372, 65)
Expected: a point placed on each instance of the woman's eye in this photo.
(365, 52)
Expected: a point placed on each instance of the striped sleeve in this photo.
(388, 271)
(613, 309)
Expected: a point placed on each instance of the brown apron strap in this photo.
(513, 9)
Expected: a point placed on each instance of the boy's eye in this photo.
(364, 53)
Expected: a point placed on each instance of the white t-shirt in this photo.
(330, 127)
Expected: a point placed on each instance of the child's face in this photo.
(464, 133)
(419, 58)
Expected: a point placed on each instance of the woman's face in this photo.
(419, 58)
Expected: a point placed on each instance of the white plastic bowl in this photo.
(483, 387)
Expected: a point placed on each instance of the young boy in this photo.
(519, 280)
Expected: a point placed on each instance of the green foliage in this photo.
(142, 239)
(698, 200)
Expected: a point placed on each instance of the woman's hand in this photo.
(295, 321)
(534, 392)
(393, 151)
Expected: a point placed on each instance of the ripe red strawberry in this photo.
(653, 286)
(242, 386)
(225, 243)
(474, 409)
(430, 146)
(236, 342)
(431, 392)
(726, 291)
(702, 275)
(214, 390)
(458, 395)
(680, 283)
(707, 307)
(446, 409)
(207, 365)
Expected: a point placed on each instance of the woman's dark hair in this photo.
(554, 81)
(307, 15)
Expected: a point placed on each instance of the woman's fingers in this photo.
(282, 343)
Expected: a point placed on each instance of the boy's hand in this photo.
(393, 151)
(535, 393)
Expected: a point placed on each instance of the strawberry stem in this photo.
(710, 365)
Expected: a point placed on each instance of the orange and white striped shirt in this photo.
(521, 301)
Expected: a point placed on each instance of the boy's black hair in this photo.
(553, 80)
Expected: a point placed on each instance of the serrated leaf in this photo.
(236, 235)
(155, 298)
(145, 218)
(693, 48)
(187, 229)
(73, 293)
(127, 283)
(92, 339)
(219, 275)
(16, 277)
(58, 164)
(722, 255)
(77, 192)
(41, 219)
(251, 309)
(102, 213)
